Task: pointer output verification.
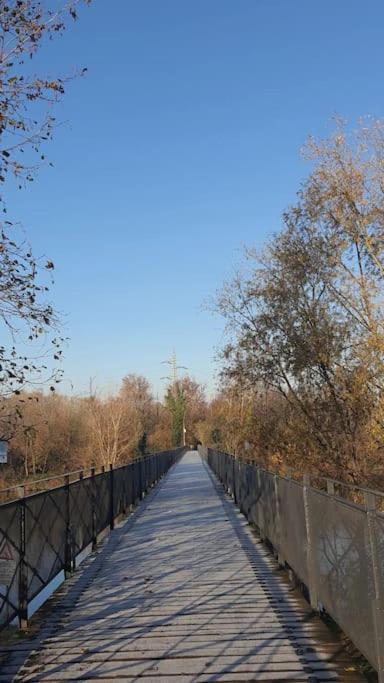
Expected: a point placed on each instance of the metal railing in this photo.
(334, 545)
(43, 534)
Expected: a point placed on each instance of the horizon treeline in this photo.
(57, 433)
(302, 374)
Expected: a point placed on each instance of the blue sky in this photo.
(179, 147)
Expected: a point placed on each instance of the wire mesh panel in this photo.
(245, 490)
(230, 473)
(149, 474)
(125, 488)
(166, 459)
(120, 490)
(226, 475)
(130, 484)
(267, 503)
(343, 565)
(152, 473)
(136, 481)
(293, 531)
(144, 474)
(163, 463)
(45, 536)
(82, 505)
(102, 496)
(255, 511)
(242, 487)
(153, 470)
(9, 561)
(236, 480)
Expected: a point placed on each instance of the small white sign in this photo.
(3, 451)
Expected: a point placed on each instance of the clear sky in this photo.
(180, 147)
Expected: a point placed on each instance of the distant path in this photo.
(187, 594)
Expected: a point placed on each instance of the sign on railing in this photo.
(42, 534)
(335, 546)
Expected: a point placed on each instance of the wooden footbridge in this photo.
(183, 591)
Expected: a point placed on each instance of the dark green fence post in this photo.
(68, 534)
(81, 477)
(23, 575)
(93, 503)
(140, 462)
(111, 498)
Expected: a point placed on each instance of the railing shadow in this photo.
(186, 581)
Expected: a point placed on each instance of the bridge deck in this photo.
(184, 593)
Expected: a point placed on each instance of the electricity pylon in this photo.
(174, 367)
(173, 379)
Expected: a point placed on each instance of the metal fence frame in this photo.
(43, 534)
(335, 546)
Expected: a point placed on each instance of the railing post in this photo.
(145, 476)
(68, 534)
(81, 477)
(310, 545)
(93, 503)
(23, 575)
(378, 600)
(111, 499)
(141, 493)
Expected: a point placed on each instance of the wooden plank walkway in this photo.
(183, 593)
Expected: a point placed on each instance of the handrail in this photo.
(64, 475)
(312, 475)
